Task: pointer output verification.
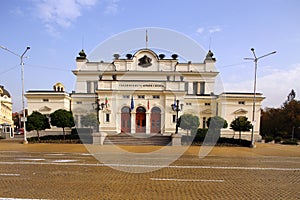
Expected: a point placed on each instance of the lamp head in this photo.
(28, 47)
(252, 49)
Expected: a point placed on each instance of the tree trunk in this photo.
(38, 134)
(64, 133)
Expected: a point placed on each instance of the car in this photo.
(20, 131)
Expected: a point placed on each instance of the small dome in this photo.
(4, 92)
(59, 87)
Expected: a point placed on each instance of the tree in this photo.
(241, 124)
(62, 118)
(189, 122)
(37, 121)
(89, 120)
(215, 124)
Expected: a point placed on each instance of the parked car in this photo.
(20, 131)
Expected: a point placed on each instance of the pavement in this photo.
(76, 171)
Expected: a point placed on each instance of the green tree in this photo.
(189, 122)
(215, 124)
(37, 121)
(241, 124)
(89, 120)
(62, 118)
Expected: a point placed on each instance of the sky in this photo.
(56, 30)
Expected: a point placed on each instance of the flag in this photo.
(106, 102)
(148, 105)
(132, 103)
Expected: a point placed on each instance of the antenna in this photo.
(209, 45)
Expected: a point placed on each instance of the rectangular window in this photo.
(156, 96)
(204, 122)
(141, 96)
(202, 88)
(207, 104)
(188, 104)
(107, 117)
(125, 96)
(45, 100)
(79, 102)
(186, 87)
(195, 88)
(88, 86)
(95, 86)
(174, 118)
(242, 102)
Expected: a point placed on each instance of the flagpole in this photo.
(146, 38)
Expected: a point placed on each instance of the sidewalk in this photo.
(260, 150)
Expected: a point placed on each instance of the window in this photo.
(141, 96)
(188, 104)
(107, 117)
(174, 118)
(45, 100)
(156, 96)
(125, 96)
(242, 102)
(207, 104)
(186, 87)
(202, 87)
(204, 122)
(79, 102)
(88, 86)
(168, 78)
(181, 78)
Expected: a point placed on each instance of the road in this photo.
(61, 171)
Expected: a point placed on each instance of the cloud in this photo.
(275, 86)
(214, 29)
(112, 7)
(200, 30)
(209, 30)
(60, 13)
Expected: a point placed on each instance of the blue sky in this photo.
(56, 30)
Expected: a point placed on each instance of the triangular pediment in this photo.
(206, 111)
(240, 112)
(45, 109)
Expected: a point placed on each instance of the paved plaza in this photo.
(74, 171)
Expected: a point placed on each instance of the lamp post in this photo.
(255, 59)
(99, 106)
(22, 78)
(175, 107)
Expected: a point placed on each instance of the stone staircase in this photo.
(138, 140)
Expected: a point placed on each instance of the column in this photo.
(133, 122)
(148, 123)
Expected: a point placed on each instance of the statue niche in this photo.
(145, 61)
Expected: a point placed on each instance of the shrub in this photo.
(278, 139)
(268, 139)
(291, 142)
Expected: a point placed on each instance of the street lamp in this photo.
(22, 78)
(255, 59)
(175, 107)
(99, 106)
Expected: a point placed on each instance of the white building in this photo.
(6, 122)
(135, 93)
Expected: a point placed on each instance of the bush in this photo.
(278, 139)
(291, 142)
(268, 139)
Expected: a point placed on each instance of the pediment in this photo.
(45, 109)
(207, 111)
(240, 112)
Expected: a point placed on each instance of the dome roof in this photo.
(4, 92)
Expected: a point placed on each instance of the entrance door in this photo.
(155, 120)
(140, 120)
(125, 120)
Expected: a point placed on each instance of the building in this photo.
(6, 121)
(134, 94)
(48, 101)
